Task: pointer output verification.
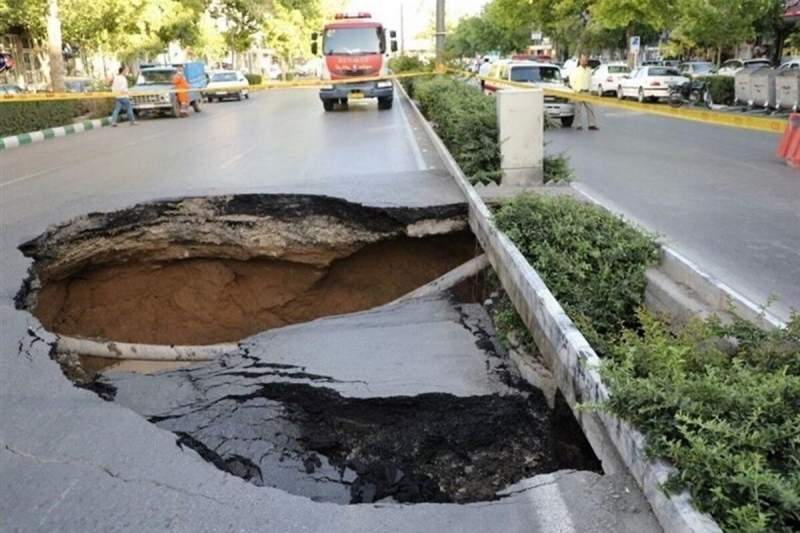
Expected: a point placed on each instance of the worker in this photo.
(581, 82)
(181, 91)
(486, 67)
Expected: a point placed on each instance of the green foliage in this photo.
(722, 404)
(477, 35)
(406, 63)
(593, 262)
(557, 169)
(24, 117)
(466, 121)
(253, 79)
(722, 89)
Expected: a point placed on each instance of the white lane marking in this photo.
(420, 161)
(29, 176)
(236, 158)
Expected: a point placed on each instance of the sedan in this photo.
(226, 84)
(696, 69)
(606, 78)
(649, 83)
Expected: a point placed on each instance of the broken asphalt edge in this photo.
(574, 362)
(22, 139)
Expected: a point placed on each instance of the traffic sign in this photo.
(635, 44)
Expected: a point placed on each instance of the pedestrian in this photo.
(119, 87)
(581, 82)
(483, 72)
(181, 92)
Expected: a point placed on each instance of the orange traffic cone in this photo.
(789, 147)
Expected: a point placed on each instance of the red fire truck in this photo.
(355, 46)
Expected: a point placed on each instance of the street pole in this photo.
(54, 47)
(402, 31)
(440, 33)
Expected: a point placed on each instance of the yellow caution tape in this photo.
(706, 116)
(299, 84)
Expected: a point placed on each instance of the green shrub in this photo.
(406, 63)
(722, 404)
(466, 121)
(557, 169)
(722, 89)
(593, 262)
(24, 117)
(253, 79)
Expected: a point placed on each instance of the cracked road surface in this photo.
(71, 462)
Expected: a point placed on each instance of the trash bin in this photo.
(742, 85)
(762, 87)
(787, 89)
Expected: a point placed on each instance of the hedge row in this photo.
(24, 117)
(719, 402)
(466, 121)
(722, 89)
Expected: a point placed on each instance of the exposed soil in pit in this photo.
(210, 270)
(206, 301)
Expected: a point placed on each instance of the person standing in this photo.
(119, 87)
(581, 82)
(484, 69)
(181, 92)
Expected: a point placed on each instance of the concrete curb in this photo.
(573, 361)
(51, 133)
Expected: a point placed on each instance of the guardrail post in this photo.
(520, 117)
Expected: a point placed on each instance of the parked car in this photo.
(78, 85)
(696, 69)
(572, 64)
(606, 78)
(791, 64)
(226, 84)
(275, 71)
(8, 89)
(732, 66)
(542, 75)
(648, 83)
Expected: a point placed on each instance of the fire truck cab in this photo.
(355, 46)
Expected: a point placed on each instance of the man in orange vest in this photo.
(181, 91)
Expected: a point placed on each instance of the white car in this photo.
(792, 64)
(226, 84)
(732, 66)
(696, 69)
(649, 83)
(542, 75)
(275, 71)
(606, 78)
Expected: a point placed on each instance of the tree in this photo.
(54, 47)
(717, 24)
(473, 36)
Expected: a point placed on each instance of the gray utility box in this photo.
(762, 87)
(787, 89)
(742, 85)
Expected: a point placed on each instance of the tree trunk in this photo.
(54, 47)
(719, 56)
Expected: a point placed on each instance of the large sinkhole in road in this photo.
(204, 271)
(196, 271)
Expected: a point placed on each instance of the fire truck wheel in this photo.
(385, 103)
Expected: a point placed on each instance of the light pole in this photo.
(402, 30)
(440, 33)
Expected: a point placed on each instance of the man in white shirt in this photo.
(484, 70)
(120, 89)
(581, 82)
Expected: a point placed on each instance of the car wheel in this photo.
(641, 96)
(385, 103)
(328, 105)
(247, 96)
(600, 91)
(620, 94)
(566, 122)
(196, 106)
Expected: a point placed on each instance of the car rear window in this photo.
(535, 74)
(618, 69)
(661, 71)
(224, 76)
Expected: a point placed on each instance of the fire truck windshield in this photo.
(352, 41)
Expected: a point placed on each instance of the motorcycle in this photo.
(695, 92)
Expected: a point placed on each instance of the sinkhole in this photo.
(237, 269)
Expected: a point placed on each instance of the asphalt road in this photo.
(71, 462)
(718, 195)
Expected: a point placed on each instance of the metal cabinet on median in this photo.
(743, 85)
(762, 88)
(787, 89)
